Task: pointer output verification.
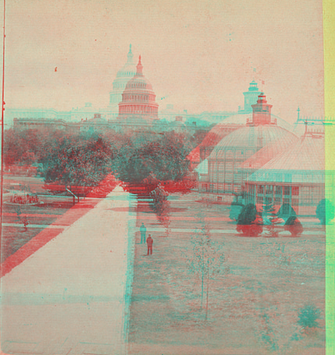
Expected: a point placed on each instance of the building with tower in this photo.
(231, 122)
(138, 103)
(296, 177)
(224, 175)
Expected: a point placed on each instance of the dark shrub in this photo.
(325, 211)
(308, 316)
(235, 210)
(246, 222)
(294, 226)
(290, 221)
(251, 230)
(286, 211)
(247, 215)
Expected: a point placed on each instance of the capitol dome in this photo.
(121, 80)
(129, 69)
(138, 98)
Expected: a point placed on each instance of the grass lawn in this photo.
(14, 237)
(43, 214)
(253, 302)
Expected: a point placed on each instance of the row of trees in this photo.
(250, 221)
(82, 159)
(83, 164)
(25, 147)
(162, 157)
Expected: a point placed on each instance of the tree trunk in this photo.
(207, 294)
(202, 280)
(202, 288)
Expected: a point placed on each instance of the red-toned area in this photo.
(194, 156)
(213, 137)
(222, 219)
(31, 215)
(252, 230)
(183, 186)
(71, 216)
(139, 189)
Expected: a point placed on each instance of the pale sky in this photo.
(200, 55)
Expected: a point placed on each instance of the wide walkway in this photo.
(72, 295)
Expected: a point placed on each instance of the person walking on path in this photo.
(150, 242)
(143, 231)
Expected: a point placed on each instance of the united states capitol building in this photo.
(132, 103)
(124, 109)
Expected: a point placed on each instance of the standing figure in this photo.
(150, 242)
(143, 231)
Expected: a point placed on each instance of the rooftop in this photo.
(253, 137)
(303, 162)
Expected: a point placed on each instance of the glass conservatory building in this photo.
(295, 177)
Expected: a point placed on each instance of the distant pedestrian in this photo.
(150, 242)
(143, 231)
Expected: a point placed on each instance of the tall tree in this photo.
(270, 218)
(208, 259)
(83, 164)
(162, 157)
(161, 206)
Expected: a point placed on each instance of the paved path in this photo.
(70, 296)
(222, 231)
(172, 230)
(42, 226)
